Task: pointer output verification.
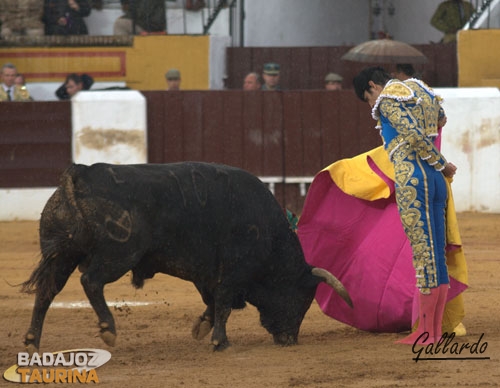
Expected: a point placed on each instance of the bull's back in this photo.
(192, 200)
(192, 187)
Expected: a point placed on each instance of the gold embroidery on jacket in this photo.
(410, 210)
(409, 122)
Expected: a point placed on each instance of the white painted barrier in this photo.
(471, 140)
(23, 204)
(109, 127)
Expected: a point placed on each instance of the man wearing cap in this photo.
(173, 77)
(271, 76)
(333, 81)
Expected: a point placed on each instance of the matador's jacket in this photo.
(19, 93)
(408, 114)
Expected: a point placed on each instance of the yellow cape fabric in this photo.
(355, 177)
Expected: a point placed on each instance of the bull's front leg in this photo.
(101, 272)
(203, 324)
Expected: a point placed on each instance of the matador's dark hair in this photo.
(361, 82)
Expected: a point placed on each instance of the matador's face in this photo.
(372, 93)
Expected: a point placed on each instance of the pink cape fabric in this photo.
(364, 245)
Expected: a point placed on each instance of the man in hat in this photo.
(333, 81)
(173, 77)
(271, 76)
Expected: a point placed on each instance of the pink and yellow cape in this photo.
(350, 226)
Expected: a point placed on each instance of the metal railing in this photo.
(482, 14)
(302, 181)
(208, 14)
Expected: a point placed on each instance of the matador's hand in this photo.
(449, 170)
(442, 121)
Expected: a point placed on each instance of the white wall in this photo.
(335, 22)
(305, 23)
(23, 204)
(471, 140)
(217, 61)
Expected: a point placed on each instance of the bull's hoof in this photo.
(108, 338)
(30, 337)
(219, 346)
(201, 327)
(284, 339)
(31, 349)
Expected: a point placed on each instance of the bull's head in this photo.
(282, 309)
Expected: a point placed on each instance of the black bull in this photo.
(216, 226)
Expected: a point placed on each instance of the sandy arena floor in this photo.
(155, 349)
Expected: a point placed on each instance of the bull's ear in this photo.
(333, 282)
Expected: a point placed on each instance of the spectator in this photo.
(21, 18)
(9, 91)
(65, 17)
(271, 75)
(124, 24)
(252, 82)
(451, 16)
(333, 81)
(149, 15)
(404, 71)
(173, 77)
(21, 82)
(73, 84)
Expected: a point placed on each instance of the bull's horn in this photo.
(333, 282)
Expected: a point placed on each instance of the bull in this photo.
(214, 225)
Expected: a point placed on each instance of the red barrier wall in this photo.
(306, 67)
(278, 134)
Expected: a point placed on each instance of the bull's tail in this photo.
(60, 223)
(43, 278)
(52, 272)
